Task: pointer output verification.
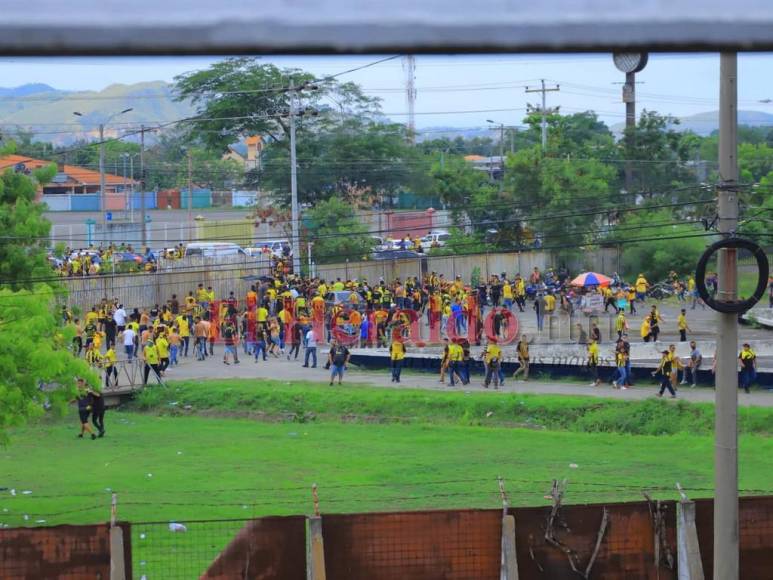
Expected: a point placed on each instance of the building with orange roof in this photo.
(69, 179)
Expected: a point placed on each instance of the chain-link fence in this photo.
(238, 548)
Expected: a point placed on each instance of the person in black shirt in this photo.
(84, 409)
(338, 359)
(496, 292)
(595, 333)
(98, 411)
(664, 370)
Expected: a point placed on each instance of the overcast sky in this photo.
(460, 91)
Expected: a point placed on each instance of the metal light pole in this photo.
(102, 158)
(294, 185)
(726, 427)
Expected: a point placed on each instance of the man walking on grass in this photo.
(523, 358)
(338, 358)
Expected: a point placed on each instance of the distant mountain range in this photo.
(708, 122)
(700, 124)
(48, 112)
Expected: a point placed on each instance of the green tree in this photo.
(25, 231)
(335, 156)
(34, 352)
(167, 164)
(659, 154)
(337, 232)
(657, 254)
(550, 197)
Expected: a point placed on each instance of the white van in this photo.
(213, 249)
(435, 239)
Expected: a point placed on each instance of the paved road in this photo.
(282, 369)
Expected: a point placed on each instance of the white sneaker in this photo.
(623, 388)
(592, 385)
(683, 383)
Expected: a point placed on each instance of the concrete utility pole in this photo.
(190, 197)
(142, 188)
(629, 97)
(102, 171)
(726, 427)
(295, 243)
(501, 152)
(409, 67)
(543, 110)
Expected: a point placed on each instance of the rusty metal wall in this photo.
(429, 545)
(264, 549)
(59, 552)
(755, 519)
(627, 551)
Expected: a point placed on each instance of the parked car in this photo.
(213, 249)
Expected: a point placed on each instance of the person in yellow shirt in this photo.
(641, 286)
(92, 355)
(621, 324)
(455, 360)
(493, 360)
(523, 358)
(682, 326)
(151, 358)
(748, 361)
(262, 318)
(644, 329)
(162, 345)
(507, 295)
(520, 293)
(338, 286)
(185, 333)
(202, 296)
(397, 355)
(108, 361)
(550, 303)
(593, 362)
(631, 296)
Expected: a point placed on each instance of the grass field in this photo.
(247, 449)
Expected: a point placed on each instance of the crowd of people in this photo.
(96, 260)
(281, 315)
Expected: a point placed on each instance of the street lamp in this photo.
(102, 156)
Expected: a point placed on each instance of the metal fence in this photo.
(602, 540)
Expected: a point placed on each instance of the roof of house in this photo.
(68, 175)
(239, 148)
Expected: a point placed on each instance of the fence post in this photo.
(509, 563)
(689, 561)
(316, 555)
(117, 564)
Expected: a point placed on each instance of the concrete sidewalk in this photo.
(282, 369)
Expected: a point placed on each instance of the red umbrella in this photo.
(591, 279)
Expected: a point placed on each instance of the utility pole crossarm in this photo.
(543, 110)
